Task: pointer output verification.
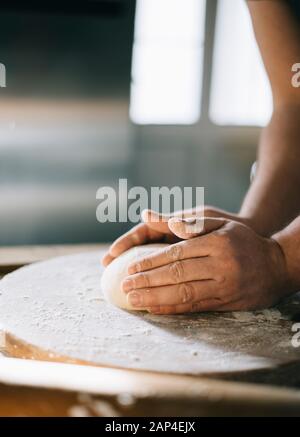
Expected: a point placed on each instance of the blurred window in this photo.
(240, 93)
(167, 61)
(167, 67)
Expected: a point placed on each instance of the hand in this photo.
(229, 268)
(155, 229)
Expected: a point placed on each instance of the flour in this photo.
(53, 320)
(269, 315)
(2, 339)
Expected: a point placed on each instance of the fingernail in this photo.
(190, 220)
(135, 299)
(127, 285)
(194, 225)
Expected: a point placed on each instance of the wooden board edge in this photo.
(13, 347)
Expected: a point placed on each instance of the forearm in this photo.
(289, 241)
(273, 199)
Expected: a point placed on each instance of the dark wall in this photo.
(64, 125)
(59, 55)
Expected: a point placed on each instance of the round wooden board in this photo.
(55, 310)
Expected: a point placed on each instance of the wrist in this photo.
(254, 224)
(290, 273)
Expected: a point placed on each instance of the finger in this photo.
(159, 222)
(203, 306)
(195, 248)
(186, 228)
(177, 272)
(179, 294)
(107, 259)
(136, 236)
(156, 221)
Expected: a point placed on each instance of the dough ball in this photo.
(116, 271)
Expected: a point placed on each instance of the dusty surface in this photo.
(58, 306)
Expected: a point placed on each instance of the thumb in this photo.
(186, 228)
(156, 221)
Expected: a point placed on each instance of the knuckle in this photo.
(135, 238)
(227, 245)
(176, 271)
(220, 278)
(186, 292)
(224, 238)
(144, 264)
(174, 252)
(143, 280)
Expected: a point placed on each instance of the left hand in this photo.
(155, 229)
(229, 268)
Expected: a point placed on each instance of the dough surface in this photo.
(116, 271)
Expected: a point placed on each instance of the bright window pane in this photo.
(167, 61)
(240, 93)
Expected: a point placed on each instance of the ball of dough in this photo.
(116, 271)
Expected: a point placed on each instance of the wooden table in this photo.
(34, 388)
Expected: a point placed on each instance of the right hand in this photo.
(155, 229)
